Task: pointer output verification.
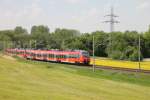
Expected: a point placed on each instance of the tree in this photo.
(41, 35)
(101, 42)
(41, 29)
(4, 41)
(20, 30)
(60, 36)
(146, 50)
(117, 46)
(20, 37)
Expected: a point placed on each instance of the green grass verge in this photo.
(31, 80)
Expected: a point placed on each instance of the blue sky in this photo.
(83, 15)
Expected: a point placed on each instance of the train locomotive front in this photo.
(84, 57)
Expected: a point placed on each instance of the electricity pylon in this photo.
(112, 20)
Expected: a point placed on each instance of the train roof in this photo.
(47, 51)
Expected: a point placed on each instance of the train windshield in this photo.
(85, 53)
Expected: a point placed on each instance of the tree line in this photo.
(115, 45)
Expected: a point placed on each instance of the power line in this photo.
(112, 20)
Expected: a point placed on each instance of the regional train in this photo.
(70, 56)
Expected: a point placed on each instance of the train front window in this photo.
(86, 54)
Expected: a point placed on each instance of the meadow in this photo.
(145, 65)
(32, 80)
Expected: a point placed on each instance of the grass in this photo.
(145, 65)
(31, 80)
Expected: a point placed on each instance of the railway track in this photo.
(120, 69)
(97, 67)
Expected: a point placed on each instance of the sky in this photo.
(82, 15)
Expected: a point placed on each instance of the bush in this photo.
(118, 55)
(135, 56)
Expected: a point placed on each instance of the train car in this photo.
(29, 54)
(21, 52)
(18, 52)
(76, 56)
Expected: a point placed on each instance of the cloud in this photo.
(73, 1)
(86, 15)
(144, 4)
(33, 11)
(24, 15)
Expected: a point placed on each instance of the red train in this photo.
(76, 56)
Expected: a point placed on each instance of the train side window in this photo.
(50, 56)
(78, 56)
(74, 56)
(58, 56)
(69, 56)
(45, 55)
(65, 56)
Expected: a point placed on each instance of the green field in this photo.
(28, 80)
